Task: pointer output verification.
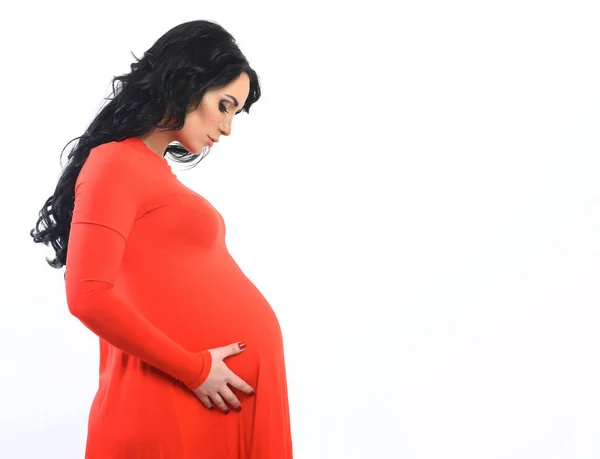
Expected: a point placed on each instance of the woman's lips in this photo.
(210, 142)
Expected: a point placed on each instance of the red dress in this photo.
(149, 273)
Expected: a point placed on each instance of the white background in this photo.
(416, 194)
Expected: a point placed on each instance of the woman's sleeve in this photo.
(108, 196)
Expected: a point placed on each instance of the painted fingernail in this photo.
(242, 345)
(226, 411)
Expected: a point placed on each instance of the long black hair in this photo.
(169, 81)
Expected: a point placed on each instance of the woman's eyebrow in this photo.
(235, 103)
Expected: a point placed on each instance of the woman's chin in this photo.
(198, 148)
(195, 149)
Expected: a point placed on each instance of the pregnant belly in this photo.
(216, 308)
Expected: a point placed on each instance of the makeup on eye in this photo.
(235, 103)
(223, 109)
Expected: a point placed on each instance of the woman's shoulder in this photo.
(133, 150)
(112, 161)
(115, 151)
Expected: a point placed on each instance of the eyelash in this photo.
(223, 109)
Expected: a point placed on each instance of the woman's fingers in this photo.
(228, 395)
(218, 400)
(205, 401)
(240, 384)
(215, 389)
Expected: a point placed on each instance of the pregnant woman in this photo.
(191, 353)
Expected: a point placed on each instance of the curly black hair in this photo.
(168, 82)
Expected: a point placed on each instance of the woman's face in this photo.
(214, 115)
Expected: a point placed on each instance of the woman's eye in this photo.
(222, 107)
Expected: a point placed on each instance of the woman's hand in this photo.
(214, 389)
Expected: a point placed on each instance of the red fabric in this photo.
(148, 271)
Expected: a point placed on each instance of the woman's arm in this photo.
(108, 195)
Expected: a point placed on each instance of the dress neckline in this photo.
(140, 146)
